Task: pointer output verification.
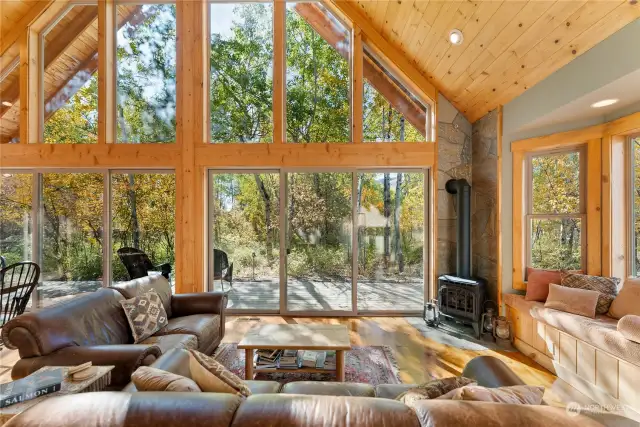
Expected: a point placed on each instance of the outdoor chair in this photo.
(17, 282)
(138, 263)
(222, 269)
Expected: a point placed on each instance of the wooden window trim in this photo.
(629, 189)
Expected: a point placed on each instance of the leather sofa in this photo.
(295, 404)
(93, 327)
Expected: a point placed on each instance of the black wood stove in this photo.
(460, 296)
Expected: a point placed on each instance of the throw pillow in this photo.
(433, 389)
(211, 376)
(627, 301)
(629, 327)
(518, 394)
(606, 286)
(147, 378)
(538, 281)
(572, 300)
(145, 315)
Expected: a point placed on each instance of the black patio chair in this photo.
(17, 282)
(222, 269)
(138, 263)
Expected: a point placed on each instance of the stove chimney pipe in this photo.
(462, 189)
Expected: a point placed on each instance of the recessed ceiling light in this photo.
(7, 103)
(455, 37)
(604, 103)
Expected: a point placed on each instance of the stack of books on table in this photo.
(313, 359)
(267, 358)
(330, 361)
(30, 387)
(289, 359)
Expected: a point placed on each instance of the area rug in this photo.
(371, 365)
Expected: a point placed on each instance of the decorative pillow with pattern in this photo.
(211, 376)
(607, 286)
(433, 389)
(145, 314)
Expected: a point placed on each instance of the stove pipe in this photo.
(462, 189)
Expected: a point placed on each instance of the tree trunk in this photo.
(396, 225)
(361, 245)
(387, 215)
(133, 204)
(267, 215)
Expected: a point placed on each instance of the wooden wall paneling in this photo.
(106, 71)
(614, 232)
(552, 338)
(518, 220)
(586, 361)
(568, 357)
(535, 355)
(433, 213)
(279, 78)
(607, 205)
(539, 336)
(29, 87)
(594, 206)
(628, 390)
(191, 16)
(607, 373)
(357, 86)
(526, 328)
(16, 32)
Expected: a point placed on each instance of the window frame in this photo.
(529, 216)
(632, 247)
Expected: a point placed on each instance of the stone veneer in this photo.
(454, 161)
(484, 201)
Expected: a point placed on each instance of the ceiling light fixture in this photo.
(604, 103)
(455, 37)
(7, 103)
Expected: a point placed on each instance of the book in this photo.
(30, 387)
(330, 361)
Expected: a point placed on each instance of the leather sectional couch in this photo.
(93, 327)
(295, 404)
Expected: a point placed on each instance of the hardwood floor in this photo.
(419, 359)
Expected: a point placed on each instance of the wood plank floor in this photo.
(419, 359)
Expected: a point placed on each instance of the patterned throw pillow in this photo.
(607, 286)
(145, 314)
(433, 389)
(211, 376)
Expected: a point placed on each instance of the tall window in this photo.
(634, 144)
(71, 77)
(15, 216)
(318, 88)
(390, 112)
(241, 72)
(146, 69)
(71, 234)
(556, 212)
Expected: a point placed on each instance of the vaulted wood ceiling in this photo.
(508, 47)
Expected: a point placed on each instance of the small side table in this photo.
(98, 382)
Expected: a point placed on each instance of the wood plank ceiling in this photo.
(508, 46)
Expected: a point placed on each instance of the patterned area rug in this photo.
(371, 365)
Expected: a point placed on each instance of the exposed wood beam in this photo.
(29, 88)
(419, 83)
(315, 17)
(14, 33)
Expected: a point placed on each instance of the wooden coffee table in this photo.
(296, 337)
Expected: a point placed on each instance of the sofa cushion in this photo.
(582, 302)
(151, 379)
(212, 376)
(538, 281)
(326, 388)
(627, 301)
(433, 389)
(607, 286)
(517, 394)
(446, 413)
(205, 327)
(629, 327)
(263, 387)
(145, 314)
(168, 342)
(140, 286)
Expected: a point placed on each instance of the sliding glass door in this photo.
(319, 242)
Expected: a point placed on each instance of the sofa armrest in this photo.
(126, 358)
(489, 371)
(198, 303)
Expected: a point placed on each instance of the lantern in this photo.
(431, 313)
(502, 328)
(488, 317)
